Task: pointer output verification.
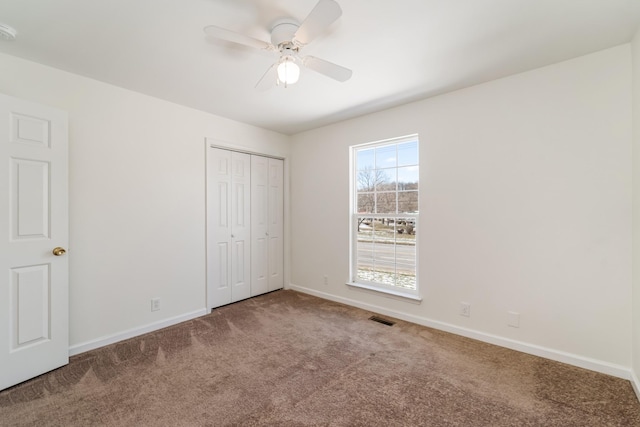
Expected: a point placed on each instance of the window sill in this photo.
(406, 296)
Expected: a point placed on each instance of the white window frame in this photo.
(395, 291)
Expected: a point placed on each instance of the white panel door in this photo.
(219, 248)
(228, 227)
(34, 285)
(267, 207)
(241, 226)
(259, 225)
(276, 221)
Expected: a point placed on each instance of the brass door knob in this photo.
(59, 251)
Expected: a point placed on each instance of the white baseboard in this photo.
(559, 356)
(120, 336)
(635, 384)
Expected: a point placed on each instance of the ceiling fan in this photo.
(288, 37)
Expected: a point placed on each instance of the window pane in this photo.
(366, 202)
(382, 276)
(385, 179)
(386, 156)
(364, 248)
(384, 230)
(366, 263)
(386, 202)
(365, 159)
(406, 262)
(405, 228)
(365, 229)
(368, 179)
(407, 201)
(408, 178)
(408, 153)
(384, 253)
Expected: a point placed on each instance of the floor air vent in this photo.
(381, 320)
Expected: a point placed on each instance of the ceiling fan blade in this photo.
(268, 79)
(232, 36)
(327, 68)
(322, 15)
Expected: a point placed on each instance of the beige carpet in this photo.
(289, 359)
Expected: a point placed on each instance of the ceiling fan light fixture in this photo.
(288, 71)
(288, 37)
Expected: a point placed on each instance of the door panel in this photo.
(259, 225)
(29, 130)
(241, 228)
(276, 224)
(223, 205)
(222, 258)
(30, 308)
(239, 263)
(34, 328)
(218, 227)
(228, 227)
(29, 199)
(259, 265)
(266, 224)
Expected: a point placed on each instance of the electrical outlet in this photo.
(465, 309)
(326, 280)
(155, 304)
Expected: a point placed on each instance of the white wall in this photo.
(137, 198)
(635, 45)
(525, 206)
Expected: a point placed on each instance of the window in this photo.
(384, 215)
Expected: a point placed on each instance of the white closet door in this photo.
(219, 251)
(244, 226)
(241, 227)
(275, 221)
(259, 225)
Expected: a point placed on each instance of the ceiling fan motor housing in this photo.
(283, 32)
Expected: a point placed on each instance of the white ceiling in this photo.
(399, 51)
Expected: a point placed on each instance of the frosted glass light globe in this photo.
(288, 71)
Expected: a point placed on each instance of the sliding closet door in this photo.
(259, 225)
(245, 250)
(267, 249)
(218, 227)
(241, 227)
(228, 227)
(276, 227)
